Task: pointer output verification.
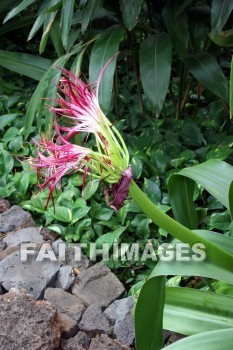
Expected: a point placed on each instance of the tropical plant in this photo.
(181, 58)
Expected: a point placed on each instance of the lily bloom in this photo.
(109, 161)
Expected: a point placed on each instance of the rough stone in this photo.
(69, 325)
(80, 341)
(31, 275)
(25, 235)
(48, 235)
(2, 246)
(4, 205)
(1, 290)
(69, 309)
(103, 342)
(94, 321)
(65, 277)
(15, 218)
(98, 285)
(27, 324)
(71, 255)
(7, 251)
(119, 313)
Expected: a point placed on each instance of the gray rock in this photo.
(31, 275)
(119, 313)
(15, 218)
(65, 277)
(81, 341)
(94, 321)
(98, 285)
(69, 325)
(25, 235)
(69, 309)
(2, 246)
(27, 324)
(72, 253)
(4, 205)
(103, 342)
(1, 290)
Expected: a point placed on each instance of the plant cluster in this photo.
(169, 94)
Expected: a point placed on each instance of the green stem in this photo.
(214, 254)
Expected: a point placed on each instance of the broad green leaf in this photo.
(181, 190)
(198, 23)
(220, 12)
(214, 340)
(204, 67)
(189, 311)
(220, 221)
(18, 9)
(155, 68)
(78, 213)
(149, 315)
(62, 213)
(224, 39)
(32, 66)
(176, 22)
(66, 20)
(6, 119)
(90, 11)
(6, 162)
(90, 188)
(130, 12)
(105, 47)
(231, 90)
(136, 165)
(110, 237)
(152, 190)
(215, 176)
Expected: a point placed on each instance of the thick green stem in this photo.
(214, 254)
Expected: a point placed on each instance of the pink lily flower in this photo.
(110, 162)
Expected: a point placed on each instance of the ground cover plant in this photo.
(172, 110)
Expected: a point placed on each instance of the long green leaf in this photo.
(215, 176)
(48, 90)
(55, 34)
(202, 268)
(130, 12)
(31, 66)
(105, 47)
(149, 315)
(215, 340)
(66, 20)
(231, 90)
(189, 311)
(48, 23)
(176, 22)
(37, 25)
(220, 12)
(181, 190)
(18, 9)
(90, 11)
(155, 68)
(16, 24)
(204, 67)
